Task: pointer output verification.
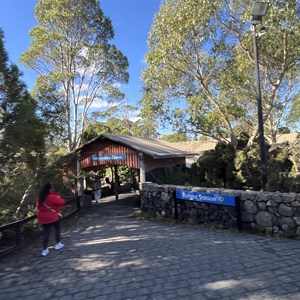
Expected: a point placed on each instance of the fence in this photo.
(276, 214)
(21, 238)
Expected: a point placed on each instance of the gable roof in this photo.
(152, 147)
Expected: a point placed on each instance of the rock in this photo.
(272, 209)
(285, 210)
(287, 224)
(288, 198)
(276, 198)
(297, 220)
(246, 217)
(271, 202)
(250, 207)
(165, 197)
(264, 219)
(262, 205)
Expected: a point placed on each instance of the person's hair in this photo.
(44, 192)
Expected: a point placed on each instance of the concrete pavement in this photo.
(109, 254)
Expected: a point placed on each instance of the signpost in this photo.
(216, 199)
(108, 157)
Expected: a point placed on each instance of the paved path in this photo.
(109, 254)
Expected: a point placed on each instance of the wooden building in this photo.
(107, 150)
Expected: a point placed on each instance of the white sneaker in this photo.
(45, 252)
(58, 246)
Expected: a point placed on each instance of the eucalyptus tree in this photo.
(279, 57)
(200, 73)
(175, 137)
(123, 120)
(294, 116)
(71, 50)
(51, 110)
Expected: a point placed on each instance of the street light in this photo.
(259, 9)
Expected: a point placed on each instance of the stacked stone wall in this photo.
(271, 213)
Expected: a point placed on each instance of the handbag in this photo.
(53, 210)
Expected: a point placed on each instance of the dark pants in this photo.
(46, 232)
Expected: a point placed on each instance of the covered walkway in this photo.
(109, 254)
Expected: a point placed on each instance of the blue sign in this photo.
(108, 157)
(205, 197)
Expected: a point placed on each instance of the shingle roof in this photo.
(152, 147)
(285, 137)
(196, 146)
(201, 146)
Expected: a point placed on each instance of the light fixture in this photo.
(259, 9)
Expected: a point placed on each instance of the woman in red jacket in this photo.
(49, 206)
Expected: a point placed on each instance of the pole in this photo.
(79, 177)
(262, 145)
(117, 182)
(142, 168)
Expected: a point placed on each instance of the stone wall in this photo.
(271, 213)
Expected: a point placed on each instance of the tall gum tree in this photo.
(279, 56)
(200, 73)
(70, 50)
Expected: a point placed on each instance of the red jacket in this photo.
(44, 214)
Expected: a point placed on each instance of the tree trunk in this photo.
(23, 200)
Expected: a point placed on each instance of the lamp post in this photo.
(259, 9)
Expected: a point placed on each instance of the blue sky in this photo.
(131, 20)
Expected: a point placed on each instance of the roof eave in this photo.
(185, 155)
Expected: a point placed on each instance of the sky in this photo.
(131, 21)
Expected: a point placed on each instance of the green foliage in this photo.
(197, 175)
(295, 155)
(279, 170)
(217, 167)
(224, 167)
(22, 145)
(149, 119)
(175, 137)
(113, 125)
(124, 174)
(52, 111)
(248, 168)
(121, 126)
(294, 115)
(26, 160)
(121, 120)
(175, 175)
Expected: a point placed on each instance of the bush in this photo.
(226, 167)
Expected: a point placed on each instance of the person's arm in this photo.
(56, 200)
(61, 201)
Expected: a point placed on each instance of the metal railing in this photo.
(20, 239)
